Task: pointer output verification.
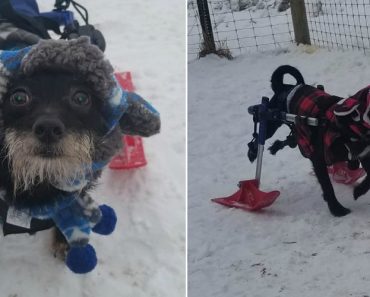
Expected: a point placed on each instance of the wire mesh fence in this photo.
(339, 24)
(194, 30)
(252, 29)
(331, 23)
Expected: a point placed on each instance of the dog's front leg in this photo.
(322, 175)
(364, 186)
(60, 245)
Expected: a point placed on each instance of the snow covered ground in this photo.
(295, 247)
(146, 254)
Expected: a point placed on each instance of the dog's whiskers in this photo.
(72, 161)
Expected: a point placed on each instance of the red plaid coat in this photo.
(311, 102)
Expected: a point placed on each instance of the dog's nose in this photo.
(48, 129)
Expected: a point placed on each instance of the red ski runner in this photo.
(343, 175)
(132, 155)
(249, 196)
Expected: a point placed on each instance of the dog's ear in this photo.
(140, 118)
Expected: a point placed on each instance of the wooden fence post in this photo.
(300, 24)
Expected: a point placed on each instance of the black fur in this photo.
(277, 78)
(281, 91)
(279, 101)
(50, 93)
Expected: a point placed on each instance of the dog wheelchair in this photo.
(22, 24)
(249, 196)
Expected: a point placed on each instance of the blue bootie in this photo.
(107, 222)
(81, 259)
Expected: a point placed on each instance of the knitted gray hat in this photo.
(76, 56)
(80, 57)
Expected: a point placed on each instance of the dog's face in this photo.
(51, 121)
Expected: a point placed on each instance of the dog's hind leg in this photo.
(322, 175)
(364, 186)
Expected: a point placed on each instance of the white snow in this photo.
(146, 254)
(295, 247)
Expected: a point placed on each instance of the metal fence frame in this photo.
(339, 25)
(322, 23)
(243, 30)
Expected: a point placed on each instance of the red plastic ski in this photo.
(125, 80)
(343, 175)
(132, 155)
(249, 197)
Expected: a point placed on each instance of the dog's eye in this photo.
(81, 99)
(20, 98)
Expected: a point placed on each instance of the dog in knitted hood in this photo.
(62, 117)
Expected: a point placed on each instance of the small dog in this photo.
(52, 128)
(343, 133)
(52, 125)
(60, 116)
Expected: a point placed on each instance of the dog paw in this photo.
(358, 191)
(60, 250)
(339, 211)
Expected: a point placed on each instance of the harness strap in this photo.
(22, 21)
(35, 226)
(253, 144)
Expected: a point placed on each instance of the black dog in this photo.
(59, 119)
(53, 125)
(342, 133)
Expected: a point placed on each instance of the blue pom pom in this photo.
(81, 259)
(107, 222)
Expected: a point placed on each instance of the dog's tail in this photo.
(277, 78)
